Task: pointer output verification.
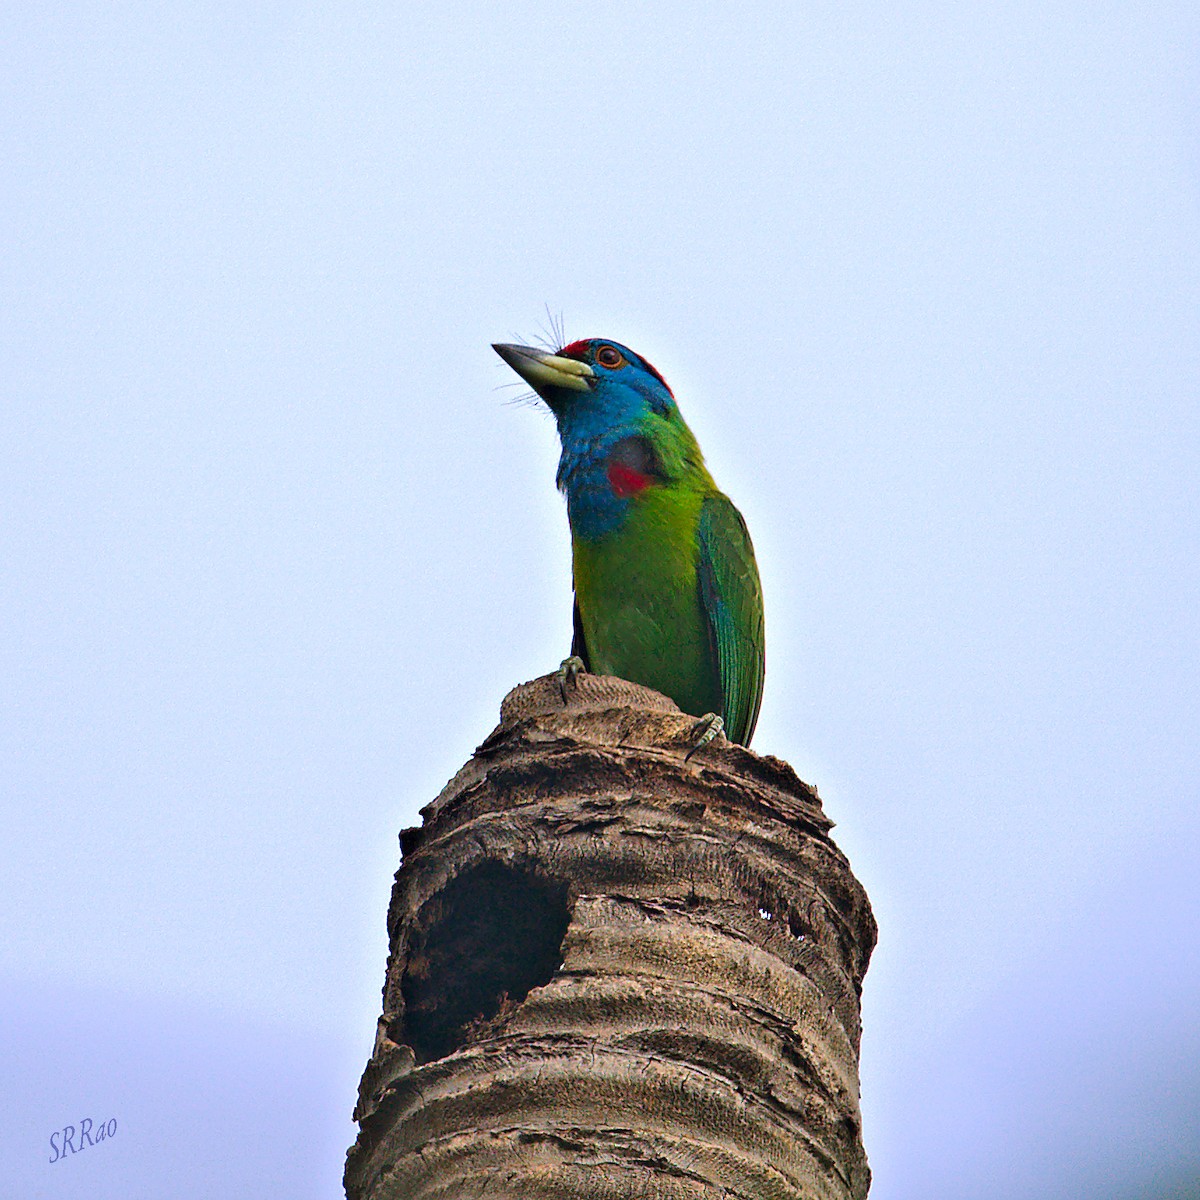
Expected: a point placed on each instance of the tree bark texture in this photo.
(615, 973)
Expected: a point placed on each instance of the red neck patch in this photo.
(625, 480)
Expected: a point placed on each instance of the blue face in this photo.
(625, 394)
(620, 430)
(625, 389)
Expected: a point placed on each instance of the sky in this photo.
(275, 540)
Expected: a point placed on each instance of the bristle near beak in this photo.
(542, 370)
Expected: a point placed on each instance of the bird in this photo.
(666, 587)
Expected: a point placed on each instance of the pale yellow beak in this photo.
(541, 369)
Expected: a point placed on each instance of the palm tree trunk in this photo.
(617, 974)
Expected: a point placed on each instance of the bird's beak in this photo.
(541, 370)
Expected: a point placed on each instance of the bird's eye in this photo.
(609, 356)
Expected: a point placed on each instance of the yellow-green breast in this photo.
(639, 600)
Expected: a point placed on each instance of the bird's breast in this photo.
(639, 600)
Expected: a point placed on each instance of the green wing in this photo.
(731, 596)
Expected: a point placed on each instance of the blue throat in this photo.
(592, 507)
(588, 429)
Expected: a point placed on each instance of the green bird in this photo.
(667, 592)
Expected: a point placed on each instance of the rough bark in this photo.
(617, 974)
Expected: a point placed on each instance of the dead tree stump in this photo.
(614, 974)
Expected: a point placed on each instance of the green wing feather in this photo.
(731, 596)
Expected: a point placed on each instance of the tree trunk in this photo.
(617, 974)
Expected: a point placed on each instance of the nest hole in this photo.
(493, 934)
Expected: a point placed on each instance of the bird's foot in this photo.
(568, 672)
(707, 728)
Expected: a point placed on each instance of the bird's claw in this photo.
(568, 671)
(707, 728)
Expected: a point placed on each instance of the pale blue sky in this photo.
(273, 546)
